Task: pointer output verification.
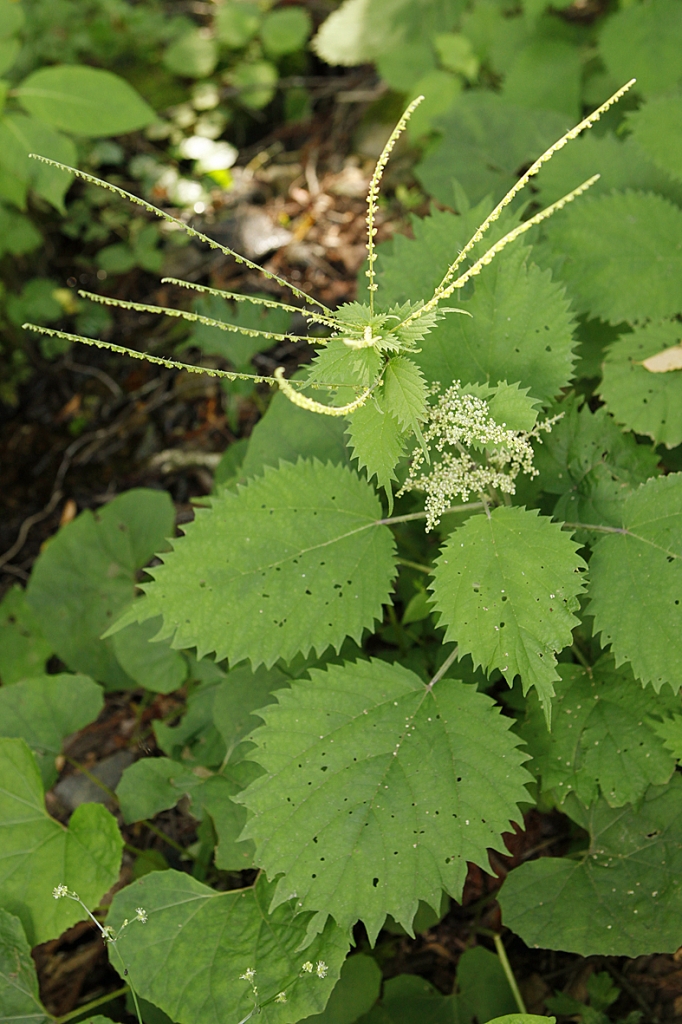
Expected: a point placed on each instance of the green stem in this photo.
(444, 667)
(132, 990)
(413, 516)
(509, 974)
(594, 526)
(93, 778)
(80, 1010)
(415, 565)
(167, 839)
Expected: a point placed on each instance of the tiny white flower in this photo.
(307, 967)
(281, 997)
(108, 933)
(141, 915)
(248, 975)
(321, 969)
(59, 891)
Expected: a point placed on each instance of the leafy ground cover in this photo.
(304, 723)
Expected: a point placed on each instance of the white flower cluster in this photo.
(456, 423)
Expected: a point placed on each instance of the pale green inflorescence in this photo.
(456, 419)
(456, 422)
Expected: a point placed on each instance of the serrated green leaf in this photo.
(636, 588)
(412, 267)
(648, 403)
(506, 587)
(622, 257)
(644, 41)
(45, 710)
(39, 853)
(153, 784)
(669, 732)
(656, 128)
(295, 561)
(377, 791)
(152, 665)
(86, 575)
(377, 441)
(405, 392)
(622, 899)
(485, 141)
(520, 330)
(286, 433)
(591, 465)
(509, 405)
(354, 993)
(603, 741)
(167, 960)
(84, 100)
(23, 648)
(621, 164)
(19, 997)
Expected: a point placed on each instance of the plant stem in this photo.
(413, 516)
(167, 839)
(415, 565)
(509, 974)
(93, 778)
(100, 1001)
(444, 667)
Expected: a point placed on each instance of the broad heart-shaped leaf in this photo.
(648, 403)
(19, 997)
(644, 41)
(86, 575)
(188, 958)
(591, 465)
(377, 441)
(621, 164)
(622, 255)
(520, 330)
(377, 791)
(602, 738)
(38, 853)
(657, 128)
(23, 648)
(152, 665)
(623, 899)
(506, 586)
(153, 784)
(295, 560)
(355, 992)
(636, 588)
(287, 432)
(46, 709)
(409, 999)
(83, 100)
(485, 141)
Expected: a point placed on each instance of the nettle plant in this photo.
(403, 728)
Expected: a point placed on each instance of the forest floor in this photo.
(90, 425)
